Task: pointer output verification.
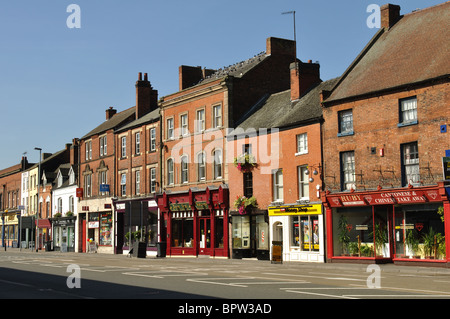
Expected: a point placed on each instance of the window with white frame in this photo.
(408, 110)
(410, 164)
(348, 170)
(103, 146)
(278, 185)
(153, 139)
(60, 205)
(184, 124)
(200, 120)
(170, 175)
(152, 180)
(170, 134)
(102, 180)
(302, 143)
(217, 116)
(71, 204)
(201, 168)
(217, 164)
(184, 169)
(303, 182)
(123, 147)
(87, 185)
(88, 145)
(138, 182)
(123, 184)
(137, 138)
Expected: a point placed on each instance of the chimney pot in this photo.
(140, 76)
(145, 77)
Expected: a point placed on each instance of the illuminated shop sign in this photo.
(315, 209)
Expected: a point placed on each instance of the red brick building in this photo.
(384, 139)
(138, 152)
(283, 138)
(10, 200)
(195, 121)
(97, 178)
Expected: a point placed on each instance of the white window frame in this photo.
(200, 120)
(201, 166)
(184, 124)
(153, 180)
(138, 182)
(345, 122)
(103, 146)
(123, 147)
(408, 110)
(123, 184)
(184, 169)
(303, 182)
(302, 144)
(153, 139)
(170, 130)
(278, 194)
(217, 116)
(170, 172)
(348, 170)
(218, 164)
(137, 139)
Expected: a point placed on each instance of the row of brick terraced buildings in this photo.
(262, 159)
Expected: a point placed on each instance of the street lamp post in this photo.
(36, 242)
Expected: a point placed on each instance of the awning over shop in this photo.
(43, 223)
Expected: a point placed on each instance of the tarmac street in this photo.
(55, 275)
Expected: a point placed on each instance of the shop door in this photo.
(83, 235)
(204, 236)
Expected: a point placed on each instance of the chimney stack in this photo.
(304, 76)
(110, 112)
(146, 97)
(390, 14)
(277, 46)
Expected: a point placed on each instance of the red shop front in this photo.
(403, 225)
(196, 222)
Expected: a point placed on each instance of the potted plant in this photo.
(245, 163)
(380, 237)
(353, 249)
(429, 243)
(366, 251)
(344, 234)
(412, 242)
(244, 204)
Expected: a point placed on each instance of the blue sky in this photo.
(57, 82)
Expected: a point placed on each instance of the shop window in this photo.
(241, 232)
(218, 239)
(305, 232)
(347, 170)
(353, 232)
(410, 164)
(419, 232)
(262, 231)
(105, 229)
(183, 232)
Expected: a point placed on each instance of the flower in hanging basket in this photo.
(245, 162)
(244, 204)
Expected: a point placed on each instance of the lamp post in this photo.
(36, 242)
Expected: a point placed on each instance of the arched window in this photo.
(184, 169)
(217, 155)
(170, 176)
(201, 168)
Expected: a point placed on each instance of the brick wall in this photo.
(375, 124)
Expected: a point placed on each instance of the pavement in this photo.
(438, 269)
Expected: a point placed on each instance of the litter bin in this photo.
(139, 249)
(161, 246)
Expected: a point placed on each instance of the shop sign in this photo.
(180, 207)
(386, 198)
(315, 209)
(93, 224)
(446, 168)
(79, 192)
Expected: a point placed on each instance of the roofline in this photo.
(404, 87)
